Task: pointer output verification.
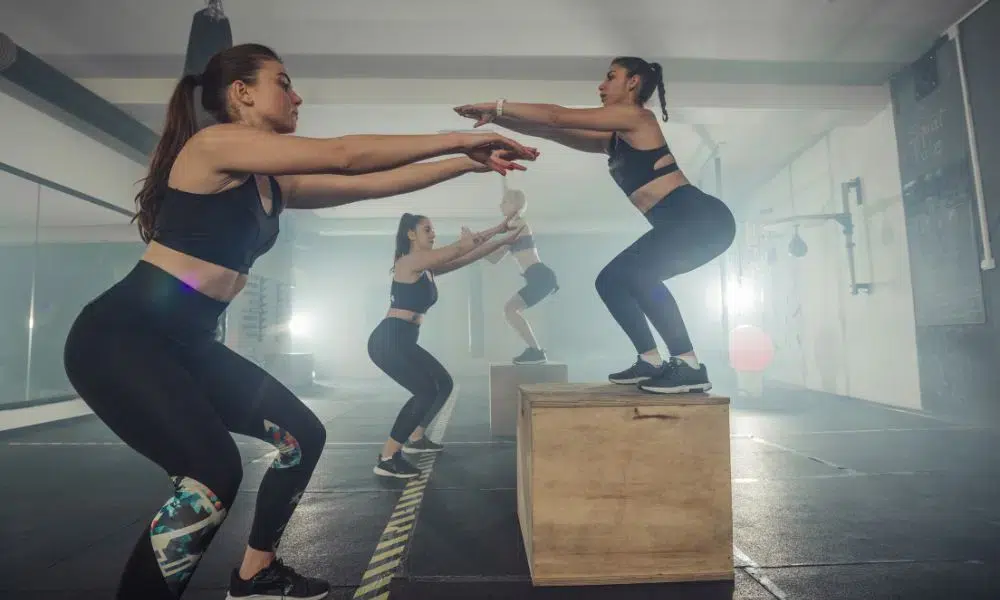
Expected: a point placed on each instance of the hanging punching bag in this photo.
(210, 34)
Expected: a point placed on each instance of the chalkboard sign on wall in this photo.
(938, 194)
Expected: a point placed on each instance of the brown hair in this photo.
(407, 223)
(239, 63)
(651, 75)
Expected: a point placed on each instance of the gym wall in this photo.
(956, 298)
(927, 336)
(826, 338)
(34, 142)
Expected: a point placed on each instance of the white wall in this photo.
(827, 339)
(34, 142)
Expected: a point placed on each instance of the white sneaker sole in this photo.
(384, 473)
(631, 381)
(273, 597)
(420, 450)
(680, 389)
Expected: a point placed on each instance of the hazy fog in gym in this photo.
(852, 323)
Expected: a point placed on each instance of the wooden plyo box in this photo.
(616, 486)
(505, 395)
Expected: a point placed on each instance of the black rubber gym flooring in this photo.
(833, 499)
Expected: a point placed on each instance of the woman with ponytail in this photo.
(689, 227)
(393, 345)
(144, 355)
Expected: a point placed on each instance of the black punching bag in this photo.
(210, 34)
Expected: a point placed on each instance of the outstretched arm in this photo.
(617, 117)
(324, 191)
(595, 142)
(422, 260)
(234, 148)
(497, 255)
(479, 252)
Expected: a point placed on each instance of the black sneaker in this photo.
(678, 377)
(421, 446)
(531, 356)
(277, 582)
(640, 371)
(396, 466)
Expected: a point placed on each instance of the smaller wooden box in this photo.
(616, 485)
(504, 392)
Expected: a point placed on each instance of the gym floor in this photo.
(833, 499)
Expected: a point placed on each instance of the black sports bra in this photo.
(631, 169)
(417, 296)
(524, 242)
(229, 229)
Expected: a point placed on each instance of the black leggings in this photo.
(393, 347)
(690, 228)
(144, 358)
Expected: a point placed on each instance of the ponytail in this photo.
(180, 126)
(651, 75)
(407, 223)
(661, 89)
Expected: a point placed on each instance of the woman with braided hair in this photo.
(689, 227)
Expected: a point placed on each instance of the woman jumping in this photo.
(539, 280)
(689, 227)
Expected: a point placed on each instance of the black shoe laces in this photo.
(278, 570)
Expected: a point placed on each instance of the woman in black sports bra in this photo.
(689, 227)
(393, 345)
(144, 355)
(539, 280)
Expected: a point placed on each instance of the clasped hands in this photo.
(494, 152)
(514, 226)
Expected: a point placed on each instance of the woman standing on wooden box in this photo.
(539, 280)
(689, 227)
(393, 345)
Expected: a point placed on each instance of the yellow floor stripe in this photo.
(388, 554)
(395, 538)
(390, 542)
(389, 566)
(409, 503)
(402, 520)
(381, 586)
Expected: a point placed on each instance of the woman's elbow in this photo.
(343, 157)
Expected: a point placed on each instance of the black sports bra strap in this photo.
(665, 169)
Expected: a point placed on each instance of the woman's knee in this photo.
(445, 385)
(611, 277)
(298, 445)
(513, 307)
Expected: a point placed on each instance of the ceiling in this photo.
(757, 81)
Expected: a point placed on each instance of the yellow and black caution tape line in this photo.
(391, 548)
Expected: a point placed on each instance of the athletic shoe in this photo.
(678, 377)
(396, 466)
(640, 371)
(276, 582)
